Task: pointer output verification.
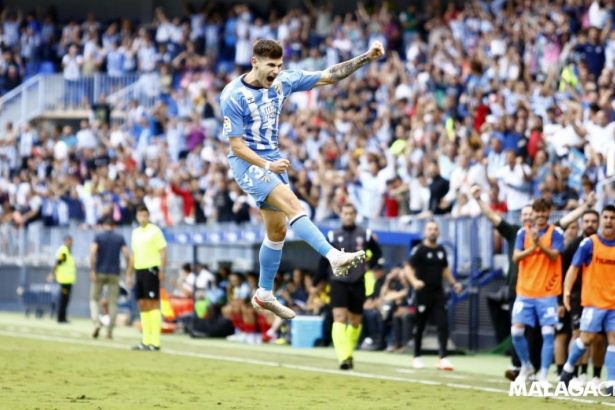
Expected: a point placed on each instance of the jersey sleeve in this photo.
(302, 80)
(557, 240)
(445, 261)
(161, 242)
(520, 241)
(61, 254)
(232, 114)
(583, 255)
(414, 257)
(508, 231)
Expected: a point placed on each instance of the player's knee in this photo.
(277, 233)
(516, 331)
(341, 317)
(587, 338)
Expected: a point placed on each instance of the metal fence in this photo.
(469, 242)
(51, 92)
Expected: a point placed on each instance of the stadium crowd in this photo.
(523, 109)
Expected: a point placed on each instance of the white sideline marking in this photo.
(453, 376)
(408, 371)
(283, 365)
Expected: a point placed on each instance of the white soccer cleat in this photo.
(576, 383)
(342, 262)
(544, 383)
(445, 364)
(237, 337)
(417, 363)
(595, 382)
(273, 306)
(525, 374)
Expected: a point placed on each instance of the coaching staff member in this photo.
(105, 271)
(149, 258)
(425, 270)
(348, 292)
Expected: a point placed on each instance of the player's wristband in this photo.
(267, 165)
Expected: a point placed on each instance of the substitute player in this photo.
(538, 251)
(149, 258)
(589, 226)
(348, 292)
(597, 257)
(251, 106)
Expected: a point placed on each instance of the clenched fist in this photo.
(376, 51)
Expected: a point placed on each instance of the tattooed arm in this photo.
(342, 70)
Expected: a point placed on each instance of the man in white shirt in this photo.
(513, 180)
(598, 131)
(85, 137)
(72, 63)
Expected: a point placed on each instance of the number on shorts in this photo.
(587, 315)
(517, 307)
(550, 312)
(247, 180)
(257, 171)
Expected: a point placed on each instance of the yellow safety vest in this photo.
(66, 274)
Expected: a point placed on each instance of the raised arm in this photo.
(338, 72)
(489, 213)
(576, 213)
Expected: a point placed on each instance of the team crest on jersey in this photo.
(360, 243)
(277, 87)
(440, 255)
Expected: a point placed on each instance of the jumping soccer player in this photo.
(597, 257)
(251, 106)
(538, 251)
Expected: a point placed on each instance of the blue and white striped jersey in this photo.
(253, 113)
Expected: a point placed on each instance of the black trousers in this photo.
(63, 303)
(428, 305)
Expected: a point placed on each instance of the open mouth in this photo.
(270, 78)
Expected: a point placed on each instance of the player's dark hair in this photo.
(608, 208)
(142, 208)
(350, 205)
(267, 49)
(591, 212)
(541, 204)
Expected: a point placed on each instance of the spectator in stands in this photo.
(72, 63)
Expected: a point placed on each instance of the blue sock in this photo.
(546, 354)
(520, 345)
(578, 349)
(609, 361)
(306, 230)
(269, 258)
